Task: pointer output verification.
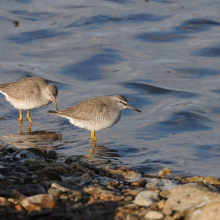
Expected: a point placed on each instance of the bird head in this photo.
(51, 94)
(122, 103)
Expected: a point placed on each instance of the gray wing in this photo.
(85, 110)
(22, 89)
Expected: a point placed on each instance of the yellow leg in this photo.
(20, 119)
(93, 138)
(29, 117)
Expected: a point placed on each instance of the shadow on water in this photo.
(195, 73)
(155, 90)
(178, 33)
(90, 69)
(99, 20)
(29, 36)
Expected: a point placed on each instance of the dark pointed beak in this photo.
(55, 103)
(131, 107)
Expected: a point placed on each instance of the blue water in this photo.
(162, 55)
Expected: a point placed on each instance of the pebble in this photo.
(146, 198)
(154, 215)
(37, 202)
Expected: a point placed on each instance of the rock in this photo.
(51, 175)
(4, 202)
(122, 173)
(74, 193)
(37, 202)
(132, 217)
(164, 172)
(138, 183)
(51, 154)
(3, 170)
(146, 198)
(103, 194)
(209, 212)
(204, 179)
(54, 192)
(128, 198)
(187, 197)
(161, 203)
(154, 215)
(85, 178)
(165, 193)
(168, 218)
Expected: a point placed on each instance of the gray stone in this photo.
(146, 198)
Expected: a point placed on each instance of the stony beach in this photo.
(39, 184)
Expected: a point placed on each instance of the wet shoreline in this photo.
(40, 184)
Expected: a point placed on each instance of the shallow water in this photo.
(162, 55)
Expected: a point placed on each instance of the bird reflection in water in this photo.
(45, 139)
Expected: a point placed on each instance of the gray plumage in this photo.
(96, 113)
(29, 93)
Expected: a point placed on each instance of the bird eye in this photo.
(124, 103)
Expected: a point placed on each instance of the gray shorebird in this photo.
(96, 113)
(29, 93)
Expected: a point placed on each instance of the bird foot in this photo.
(29, 128)
(92, 151)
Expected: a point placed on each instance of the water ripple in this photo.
(27, 37)
(150, 89)
(192, 72)
(90, 69)
(98, 20)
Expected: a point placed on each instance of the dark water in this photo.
(164, 56)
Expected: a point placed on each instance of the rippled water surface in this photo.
(163, 55)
